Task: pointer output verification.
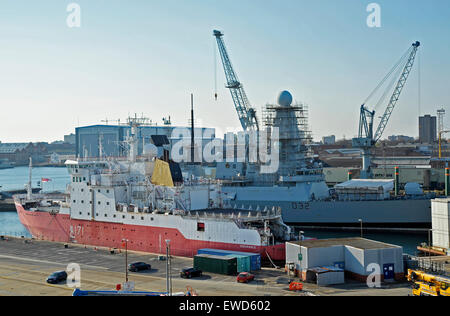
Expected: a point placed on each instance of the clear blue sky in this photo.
(147, 56)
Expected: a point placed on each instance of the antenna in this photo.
(441, 116)
(192, 130)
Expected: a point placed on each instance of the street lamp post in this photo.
(361, 222)
(126, 259)
(168, 268)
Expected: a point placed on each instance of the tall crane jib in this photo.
(366, 138)
(247, 114)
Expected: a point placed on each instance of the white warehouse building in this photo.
(440, 214)
(355, 256)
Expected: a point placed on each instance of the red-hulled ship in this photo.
(135, 199)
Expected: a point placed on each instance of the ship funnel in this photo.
(258, 208)
(249, 214)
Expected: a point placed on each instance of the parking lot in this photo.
(33, 261)
(25, 265)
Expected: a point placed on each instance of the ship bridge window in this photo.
(200, 227)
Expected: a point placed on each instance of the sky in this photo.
(148, 56)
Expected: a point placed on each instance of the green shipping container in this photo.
(216, 264)
(243, 263)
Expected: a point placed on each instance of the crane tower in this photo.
(366, 139)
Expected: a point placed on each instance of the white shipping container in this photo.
(440, 214)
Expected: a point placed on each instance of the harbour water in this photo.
(11, 226)
(14, 179)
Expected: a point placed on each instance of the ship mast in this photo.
(29, 188)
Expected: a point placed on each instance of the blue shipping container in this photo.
(255, 258)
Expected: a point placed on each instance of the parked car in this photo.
(57, 277)
(190, 273)
(245, 277)
(139, 266)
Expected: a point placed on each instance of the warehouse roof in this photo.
(360, 243)
(442, 200)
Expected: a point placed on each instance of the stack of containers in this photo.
(243, 258)
(216, 264)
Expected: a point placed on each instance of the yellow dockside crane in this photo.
(426, 284)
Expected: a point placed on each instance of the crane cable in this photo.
(215, 70)
(389, 88)
(388, 75)
(419, 94)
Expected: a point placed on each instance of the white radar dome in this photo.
(150, 150)
(285, 98)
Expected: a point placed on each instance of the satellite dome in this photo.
(150, 150)
(285, 98)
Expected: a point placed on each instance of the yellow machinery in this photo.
(426, 284)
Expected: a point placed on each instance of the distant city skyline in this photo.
(149, 56)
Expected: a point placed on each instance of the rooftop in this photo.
(7, 148)
(360, 243)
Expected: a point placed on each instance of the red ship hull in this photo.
(61, 228)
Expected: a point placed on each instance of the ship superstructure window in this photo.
(200, 227)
